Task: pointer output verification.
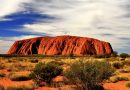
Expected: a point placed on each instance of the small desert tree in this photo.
(124, 55)
(45, 72)
(114, 54)
(89, 74)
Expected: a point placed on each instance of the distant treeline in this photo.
(37, 55)
(41, 55)
(114, 54)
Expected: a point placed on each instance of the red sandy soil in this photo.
(116, 86)
(6, 82)
(5, 71)
(121, 85)
(65, 87)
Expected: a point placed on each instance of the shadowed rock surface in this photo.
(61, 45)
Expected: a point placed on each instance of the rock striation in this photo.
(61, 45)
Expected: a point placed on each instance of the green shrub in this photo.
(89, 74)
(45, 72)
(128, 84)
(117, 64)
(114, 54)
(124, 55)
(19, 77)
(2, 74)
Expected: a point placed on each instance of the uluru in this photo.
(61, 45)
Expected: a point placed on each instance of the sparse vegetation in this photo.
(126, 70)
(103, 56)
(127, 62)
(18, 68)
(117, 64)
(89, 74)
(58, 63)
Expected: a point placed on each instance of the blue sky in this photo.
(102, 19)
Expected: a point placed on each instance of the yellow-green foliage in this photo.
(89, 73)
(127, 62)
(115, 79)
(126, 70)
(117, 64)
(20, 66)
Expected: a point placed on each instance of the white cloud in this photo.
(9, 7)
(89, 18)
(81, 15)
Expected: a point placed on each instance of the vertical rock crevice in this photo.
(61, 45)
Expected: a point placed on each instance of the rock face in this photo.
(61, 45)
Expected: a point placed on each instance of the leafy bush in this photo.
(124, 55)
(128, 84)
(19, 77)
(114, 54)
(45, 72)
(115, 79)
(117, 64)
(89, 74)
